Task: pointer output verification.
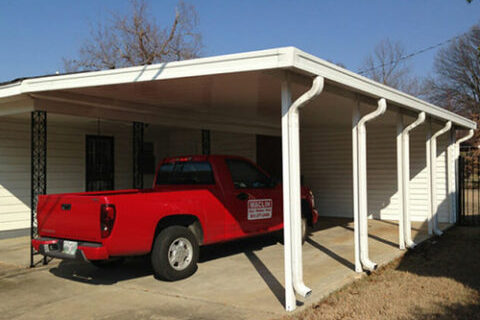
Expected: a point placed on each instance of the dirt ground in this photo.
(440, 279)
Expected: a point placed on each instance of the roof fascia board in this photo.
(249, 61)
(315, 66)
(11, 90)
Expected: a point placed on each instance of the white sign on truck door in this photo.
(259, 209)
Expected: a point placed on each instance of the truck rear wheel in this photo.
(304, 226)
(175, 253)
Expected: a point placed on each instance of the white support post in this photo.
(362, 183)
(451, 177)
(292, 190)
(401, 228)
(356, 240)
(290, 301)
(433, 178)
(406, 179)
(428, 137)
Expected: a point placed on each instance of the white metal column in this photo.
(361, 136)
(292, 190)
(433, 178)
(401, 228)
(356, 240)
(451, 177)
(290, 301)
(428, 138)
(406, 180)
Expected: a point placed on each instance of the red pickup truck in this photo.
(195, 201)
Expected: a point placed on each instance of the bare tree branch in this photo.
(137, 39)
(387, 65)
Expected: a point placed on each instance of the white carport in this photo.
(262, 92)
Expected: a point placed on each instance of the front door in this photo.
(99, 163)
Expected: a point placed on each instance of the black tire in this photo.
(167, 240)
(279, 234)
(110, 263)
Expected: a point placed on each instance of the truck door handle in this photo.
(242, 196)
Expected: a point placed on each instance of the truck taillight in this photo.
(107, 218)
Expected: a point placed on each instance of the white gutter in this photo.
(406, 179)
(291, 191)
(433, 217)
(362, 183)
(295, 185)
(457, 173)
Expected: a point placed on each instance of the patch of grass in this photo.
(440, 279)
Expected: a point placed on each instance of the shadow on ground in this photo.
(137, 267)
(456, 255)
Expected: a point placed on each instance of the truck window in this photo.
(246, 175)
(188, 172)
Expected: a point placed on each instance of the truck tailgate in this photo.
(74, 217)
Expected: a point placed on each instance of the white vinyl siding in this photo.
(65, 162)
(14, 174)
(238, 144)
(66, 153)
(171, 142)
(327, 169)
(326, 164)
(326, 158)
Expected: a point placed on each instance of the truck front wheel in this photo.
(175, 253)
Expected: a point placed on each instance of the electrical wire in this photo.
(411, 55)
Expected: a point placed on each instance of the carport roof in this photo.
(288, 58)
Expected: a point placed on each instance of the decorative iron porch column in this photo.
(38, 183)
(137, 154)
(206, 142)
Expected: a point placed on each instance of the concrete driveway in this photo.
(237, 280)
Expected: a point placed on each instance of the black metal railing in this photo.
(469, 190)
(38, 148)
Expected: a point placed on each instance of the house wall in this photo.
(65, 161)
(14, 174)
(170, 142)
(66, 157)
(327, 169)
(325, 156)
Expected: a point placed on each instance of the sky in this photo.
(36, 35)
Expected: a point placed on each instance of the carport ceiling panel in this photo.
(252, 93)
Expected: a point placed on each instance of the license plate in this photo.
(69, 247)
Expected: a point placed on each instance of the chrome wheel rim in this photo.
(180, 253)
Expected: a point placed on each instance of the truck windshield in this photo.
(188, 172)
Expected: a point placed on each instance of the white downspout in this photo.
(433, 178)
(406, 180)
(401, 227)
(291, 193)
(362, 183)
(295, 184)
(457, 173)
(356, 240)
(290, 300)
(451, 177)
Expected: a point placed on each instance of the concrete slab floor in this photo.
(236, 280)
